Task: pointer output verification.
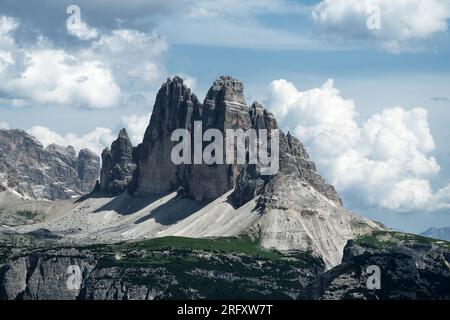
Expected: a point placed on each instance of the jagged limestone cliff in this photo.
(54, 172)
(298, 208)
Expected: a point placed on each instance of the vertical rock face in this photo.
(117, 169)
(299, 209)
(224, 108)
(54, 172)
(88, 167)
(175, 108)
(250, 182)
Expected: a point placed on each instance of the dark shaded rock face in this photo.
(117, 165)
(411, 267)
(175, 108)
(224, 108)
(88, 167)
(153, 269)
(51, 173)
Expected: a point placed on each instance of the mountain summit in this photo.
(298, 209)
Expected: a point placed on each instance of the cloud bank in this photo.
(136, 126)
(383, 162)
(97, 139)
(101, 75)
(404, 23)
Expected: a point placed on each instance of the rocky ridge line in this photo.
(54, 172)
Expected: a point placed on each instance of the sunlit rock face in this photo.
(175, 108)
(54, 172)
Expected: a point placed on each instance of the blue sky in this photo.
(390, 88)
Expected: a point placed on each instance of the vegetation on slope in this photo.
(389, 239)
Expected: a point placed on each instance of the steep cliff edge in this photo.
(411, 267)
(175, 108)
(166, 268)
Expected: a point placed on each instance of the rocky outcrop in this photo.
(169, 268)
(39, 277)
(147, 271)
(88, 167)
(410, 267)
(299, 209)
(54, 172)
(223, 108)
(117, 165)
(175, 108)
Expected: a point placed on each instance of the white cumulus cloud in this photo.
(105, 74)
(7, 26)
(82, 31)
(136, 126)
(4, 125)
(385, 161)
(56, 77)
(134, 57)
(7, 44)
(403, 23)
(95, 140)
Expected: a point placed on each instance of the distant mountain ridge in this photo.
(437, 233)
(54, 172)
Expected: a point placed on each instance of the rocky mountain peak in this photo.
(118, 166)
(262, 118)
(224, 108)
(175, 108)
(123, 134)
(226, 89)
(292, 209)
(297, 198)
(67, 151)
(54, 172)
(437, 233)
